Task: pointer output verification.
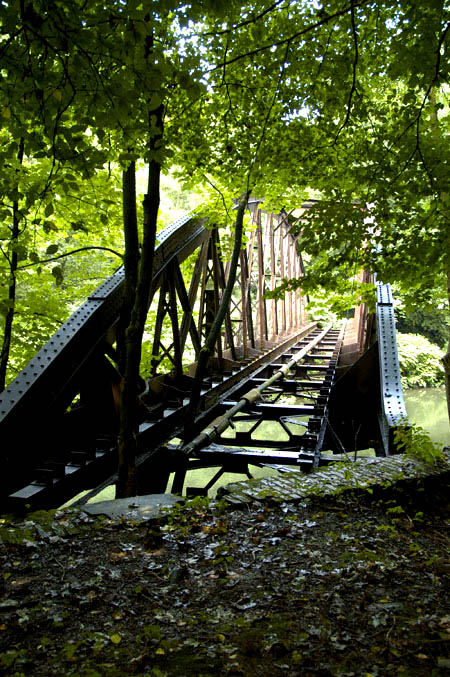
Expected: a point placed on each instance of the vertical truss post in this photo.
(273, 279)
(301, 314)
(204, 277)
(261, 327)
(216, 268)
(289, 274)
(282, 273)
(301, 272)
(364, 325)
(167, 305)
(173, 314)
(209, 291)
(212, 285)
(266, 272)
(248, 283)
(243, 302)
(236, 305)
(160, 313)
(251, 330)
(295, 273)
(277, 239)
(210, 310)
(178, 481)
(228, 340)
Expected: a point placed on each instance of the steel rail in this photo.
(324, 422)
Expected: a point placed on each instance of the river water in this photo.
(427, 407)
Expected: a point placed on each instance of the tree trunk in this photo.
(131, 258)
(127, 442)
(9, 319)
(446, 358)
(207, 350)
(444, 198)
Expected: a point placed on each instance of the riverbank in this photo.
(339, 584)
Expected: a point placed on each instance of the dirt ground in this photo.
(348, 585)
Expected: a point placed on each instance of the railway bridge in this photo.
(280, 389)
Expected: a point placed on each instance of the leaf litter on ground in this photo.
(348, 585)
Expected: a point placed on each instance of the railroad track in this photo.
(290, 393)
(302, 369)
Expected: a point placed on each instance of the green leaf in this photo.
(50, 226)
(51, 249)
(58, 274)
(5, 306)
(155, 101)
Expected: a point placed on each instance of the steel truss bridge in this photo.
(279, 391)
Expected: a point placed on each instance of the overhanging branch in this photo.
(74, 251)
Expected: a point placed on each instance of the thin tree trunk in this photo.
(9, 319)
(127, 442)
(444, 198)
(207, 350)
(446, 358)
(131, 257)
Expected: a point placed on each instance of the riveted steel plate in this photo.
(45, 358)
(384, 294)
(393, 404)
(105, 300)
(107, 287)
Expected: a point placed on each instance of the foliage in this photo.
(415, 442)
(420, 361)
(433, 324)
(238, 81)
(50, 282)
(331, 295)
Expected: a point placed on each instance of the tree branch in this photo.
(222, 197)
(74, 251)
(417, 118)
(244, 23)
(355, 63)
(56, 320)
(269, 111)
(290, 39)
(431, 85)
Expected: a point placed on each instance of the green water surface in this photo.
(427, 407)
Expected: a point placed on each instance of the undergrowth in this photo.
(420, 362)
